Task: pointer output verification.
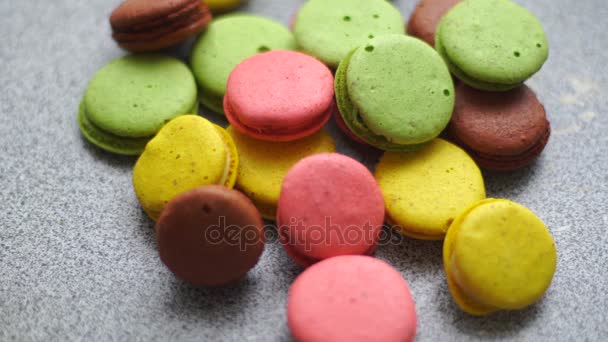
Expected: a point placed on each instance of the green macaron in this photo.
(395, 93)
(492, 45)
(329, 30)
(131, 98)
(228, 41)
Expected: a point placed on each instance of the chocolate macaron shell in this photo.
(210, 236)
(510, 126)
(135, 12)
(425, 18)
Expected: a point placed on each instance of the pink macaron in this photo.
(351, 298)
(279, 96)
(329, 205)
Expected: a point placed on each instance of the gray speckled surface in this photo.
(78, 258)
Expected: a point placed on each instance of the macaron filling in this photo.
(229, 176)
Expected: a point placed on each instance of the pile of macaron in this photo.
(441, 101)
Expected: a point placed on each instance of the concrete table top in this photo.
(78, 259)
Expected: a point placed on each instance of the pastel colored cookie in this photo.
(131, 98)
(502, 131)
(143, 25)
(426, 16)
(492, 45)
(210, 236)
(329, 205)
(227, 42)
(329, 30)
(395, 93)
(425, 190)
(188, 152)
(351, 298)
(498, 255)
(279, 96)
(264, 164)
(218, 6)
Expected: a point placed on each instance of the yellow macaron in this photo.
(187, 152)
(218, 6)
(264, 164)
(425, 190)
(498, 255)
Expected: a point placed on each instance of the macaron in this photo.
(492, 45)
(395, 93)
(426, 16)
(498, 255)
(351, 298)
(131, 98)
(501, 131)
(227, 42)
(188, 152)
(142, 25)
(279, 96)
(424, 191)
(329, 30)
(329, 205)
(218, 6)
(263, 165)
(210, 236)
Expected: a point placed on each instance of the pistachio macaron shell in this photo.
(187, 152)
(492, 45)
(395, 108)
(228, 41)
(498, 255)
(134, 96)
(424, 191)
(329, 30)
(264, 164)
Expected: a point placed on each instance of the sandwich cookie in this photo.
(425, 190)
(264, 164)
(188, 152)
(227, 42)
(329, 205)
(329, 30)
(210, 236)
(498, 255)
(502, 131)
(395, 93)
(492, 45)
(142, 25)
(351, 298)
(218, 6)
(279, 96)
(426, 16)
(131, 98)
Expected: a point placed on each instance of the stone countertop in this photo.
(78, 259)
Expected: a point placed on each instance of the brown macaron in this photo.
(502, 131)
(425, 18)
(143, 25)
(210, 236)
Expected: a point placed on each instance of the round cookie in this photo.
(210, 236)
(143, 25)
(218, 6)
(329, 30)
(188, 152)
(395, 93)
(227, 42)
(264, 164)
(131, 98)
(425, 190)
(492, 45)
(502, 131)
(329, 205)
(351, 298)
(426, 16)
(498, 255)
(279, 96)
